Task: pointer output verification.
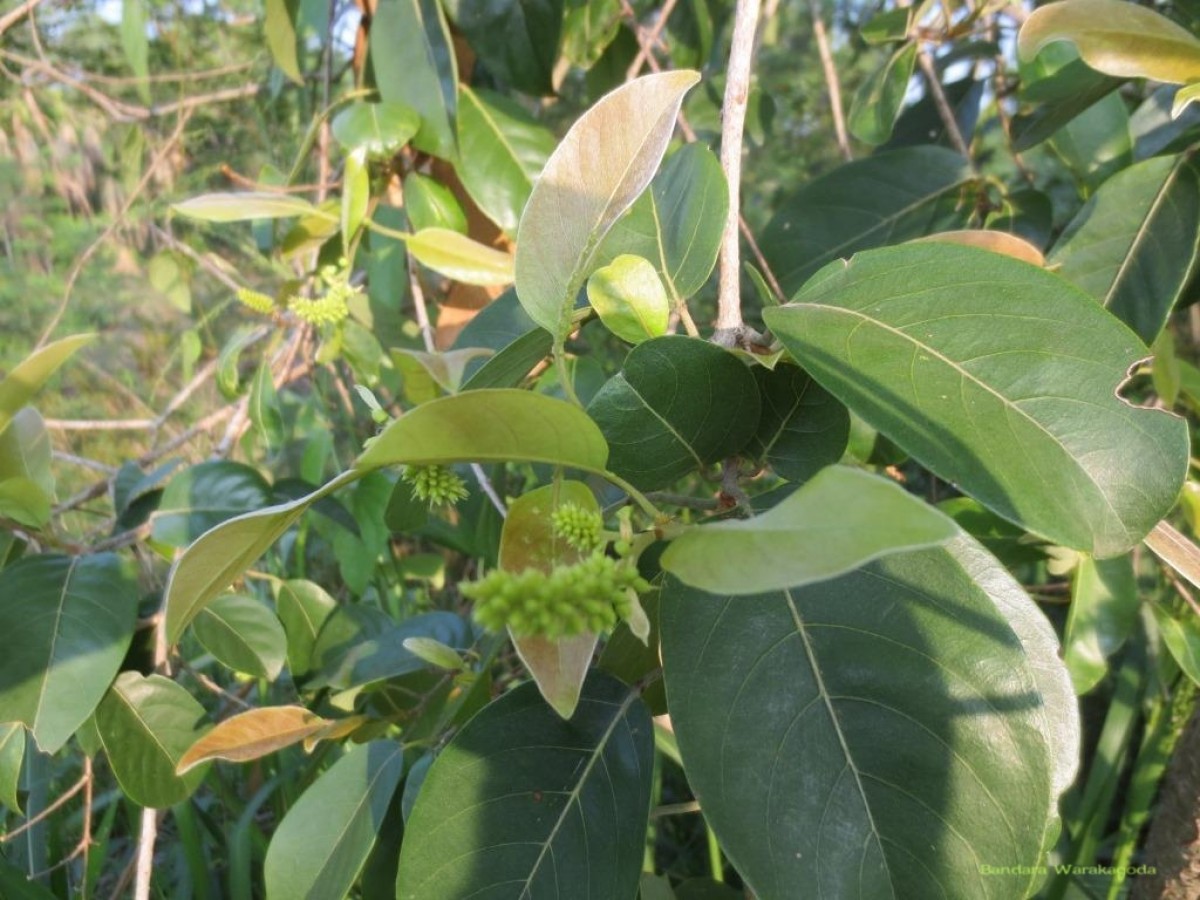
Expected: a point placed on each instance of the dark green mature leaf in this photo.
(243, 634)
(803, 427)
(414, 64)
(678, 223)
(1001, 378)
(677, 404)
(221, 554)
(146, 724)
(606, 159)
(1133, 245)
(502, 149)
(1061, 95)
(884, 199)
(840, 520)
(877, 103)
(383, 128)
(590, 26)
(67, 623)
(522, 803)
(15, 884)
(322, 843)
(517, 40)
(845, 736)
(519, 343)
(487, 425)
(384, 655)
(303, 607)
(1104, 609)
(19, 386)
(205, 495)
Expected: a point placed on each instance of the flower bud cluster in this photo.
(589, 596)
(579, 527)
(436, 485)
(256, 301)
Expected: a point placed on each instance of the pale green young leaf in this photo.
(12, 756)
(430, 204)
(838, 521)
(356, 194)
(1117, 38)
(242, 207)
(630, 299)
(27, 378)
(460, 258)
(379, 128)
(279, 28)
(877, 103)
(1104, 607)
(606, 159)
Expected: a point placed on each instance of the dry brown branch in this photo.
(48, 811)
(15, 15)
(832, 83)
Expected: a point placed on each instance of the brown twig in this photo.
(945, 112)
(15, 15)
(832, 83)
(48, 811)
(647, 39)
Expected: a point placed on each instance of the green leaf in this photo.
(520, 345)
(803, 427)
(279, 28)
(427, 372)
(502, 149)
(430, 204)
(1061, 90)
(842, 519)
(678, 404)
(26, 479)
(458, 257)
(12, 755)
(884, 199)
(1097, 142)
(678, 223)
(1133, 244)
(1117, 38)
(1001, 378)
(381, 128)
(877, 104)
(606, 159)
(243, 635)
(356, 194)
(630, 299)
(522, 802)
(590, 26)
(136, 44)
(16, 885)
(378, 657)
(222, 553)
(242, 207)
(831, 720)
(528, 541)
(490, 426)
(303, 607)
(20, 385)
(1181, 634)
(1184, 98)
(204, 495)
(325, 838)
(414, 64)
(264, 410)
(1104, 608)
(517, 40)
(67, 623)
(146, 724)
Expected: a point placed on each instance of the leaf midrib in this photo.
(963, 373)
(1142, 231)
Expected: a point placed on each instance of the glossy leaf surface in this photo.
(68, 622)
(522, 802)
(322, 843)
(944, 348)
(677, 404)
(835, 732)
(803, 427)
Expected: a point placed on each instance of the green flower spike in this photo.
(436, 485)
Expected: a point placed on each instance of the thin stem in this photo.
(144, 867)
(47, 812)
(635, 495)
(945, 112)
(730, 329)
(832, 83)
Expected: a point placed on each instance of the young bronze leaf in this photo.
(607, 159)
(253, 734)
